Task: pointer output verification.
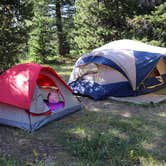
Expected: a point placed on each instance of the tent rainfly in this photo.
(120, 68)
(24, 96)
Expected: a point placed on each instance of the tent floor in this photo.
(150, 98)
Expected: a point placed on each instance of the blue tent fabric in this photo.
(98, 92)
(101, 61)
(145, 61)
(132, 59)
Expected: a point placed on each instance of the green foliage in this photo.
(14, 16)
(42, 41)
(150, 27)
(84, 26)
(6, 162)
(85, 33)
(99, 22)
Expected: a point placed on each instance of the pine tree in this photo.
(42, 43)
(14, 15)
(99, 21)
(86, 26)
(51, 27)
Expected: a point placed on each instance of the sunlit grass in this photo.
(162, 114)
(150, 161)
(79, 132)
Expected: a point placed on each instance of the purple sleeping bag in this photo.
(55, 106)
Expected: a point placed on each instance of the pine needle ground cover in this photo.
(102, 133)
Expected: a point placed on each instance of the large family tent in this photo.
(120, 68)
(23, 98)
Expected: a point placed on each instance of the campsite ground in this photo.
(102, 133)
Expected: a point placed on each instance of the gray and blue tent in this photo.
(120, 68)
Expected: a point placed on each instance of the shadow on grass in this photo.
(121, 141)
(103, 133)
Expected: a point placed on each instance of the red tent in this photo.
(18, 85)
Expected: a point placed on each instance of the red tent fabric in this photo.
(17, 83)
(44, 80)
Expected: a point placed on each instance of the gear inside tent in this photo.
(32, 95)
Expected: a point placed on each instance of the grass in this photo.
(102, 133)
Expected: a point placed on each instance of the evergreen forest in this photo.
(39, 30)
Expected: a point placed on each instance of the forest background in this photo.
(42, 30)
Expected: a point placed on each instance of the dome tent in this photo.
(120, 68)
(24, 89)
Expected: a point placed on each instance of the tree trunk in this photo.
(60, 34)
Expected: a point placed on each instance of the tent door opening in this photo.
(155, 77)
(51, 93)
(154, 80)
